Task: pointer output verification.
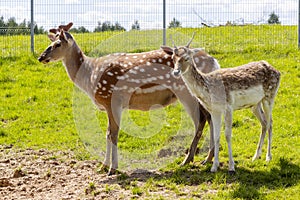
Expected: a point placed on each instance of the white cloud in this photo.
(19, 12)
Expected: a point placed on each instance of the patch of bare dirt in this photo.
(42, 174)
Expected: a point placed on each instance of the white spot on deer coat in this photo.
(109, 73)
(104, 82)
(150, 90)
(133, 72)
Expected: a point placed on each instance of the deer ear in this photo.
(51, 36)
(167, 50)
(66, 27)
(62, 36)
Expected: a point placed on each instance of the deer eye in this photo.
(58, 44)
(186, 58)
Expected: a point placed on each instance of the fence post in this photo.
(164, 22)
(299, 24)
(31, 28)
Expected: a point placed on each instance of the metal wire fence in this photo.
(93, 15)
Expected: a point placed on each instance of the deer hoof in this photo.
(204, 162)
(186, 161)
(112, 172)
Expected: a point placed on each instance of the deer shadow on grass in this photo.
(284, 174)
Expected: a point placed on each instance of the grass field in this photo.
(40, 108)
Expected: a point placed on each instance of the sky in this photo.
(50, 13)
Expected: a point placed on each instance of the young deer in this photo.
(119, 81)
(222, 91)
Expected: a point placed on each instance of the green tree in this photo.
(273, 19)
(38, 30)
(135, 25)
(174, 23)
(80, 29)
(108, 26)
(118, 27)
(11, 23)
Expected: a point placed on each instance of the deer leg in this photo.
(114, 117)
(258, 112)
(199, 117)
(191, 153)
(269, 155)
(106, 162)
(228, 132)
(216, 119)
(210, 154)
(268, 114)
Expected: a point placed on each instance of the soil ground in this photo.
(42, 174)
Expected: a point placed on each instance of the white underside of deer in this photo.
(118, 81)
(221, 92)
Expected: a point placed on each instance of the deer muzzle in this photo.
(43, 59)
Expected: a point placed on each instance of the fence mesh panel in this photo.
(90, 15)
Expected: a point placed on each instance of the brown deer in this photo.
(133, 81)
(222, 91)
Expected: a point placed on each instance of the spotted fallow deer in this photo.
(222, 91)
(133, 81)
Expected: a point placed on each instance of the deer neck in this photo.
(73, 61)
(80, 68)
(197, 85)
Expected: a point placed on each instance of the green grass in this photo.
(40, 108)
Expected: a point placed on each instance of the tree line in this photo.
(11, 27)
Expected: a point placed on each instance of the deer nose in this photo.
(41, 58)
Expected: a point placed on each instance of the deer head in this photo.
(61, 42)
(180, 55)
